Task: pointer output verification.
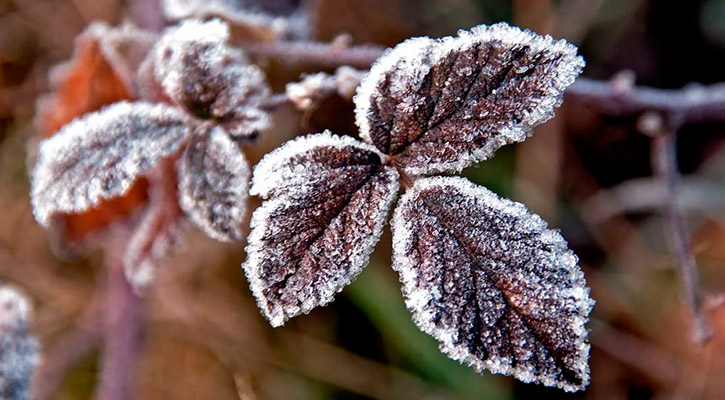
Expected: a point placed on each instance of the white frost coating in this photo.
(414, 58)
(421, 302)
(234, 11)
(214, 185)
(18, 348)
(273, 173)
(314, 88)
(286, 184)
(100, 155)
(409, 62)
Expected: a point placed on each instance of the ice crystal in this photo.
(18, 348)
(100, 155)
(327, 200)
(200, 72)
(213, 184)
(442, 105)
(487, 279)
(314, 88)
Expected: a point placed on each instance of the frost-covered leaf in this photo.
(101, 155)
(213, 184)
(242, 15)
(87, 82)
(199, 71)
(18, 348)
(157, 230)
(314, 88)
(327, 198)
(442, 105)
(489, 280)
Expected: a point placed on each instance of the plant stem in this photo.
(122, 323)
(664, 166)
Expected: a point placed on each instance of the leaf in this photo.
(158, 229)
(214, 184)
(18, 348)
(314, 88)
(488, 280)
(442, 105)
(100, 156)
(84, 84)
(327, 198)
(211, 80)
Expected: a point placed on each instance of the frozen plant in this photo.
(18, 348)
(481, 274)
(174, 134)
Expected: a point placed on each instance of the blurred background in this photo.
(587, 173)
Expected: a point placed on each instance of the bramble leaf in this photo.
(486, 278)
(327, 198)
(441, 105)
(100, 156)
(211, 80)
(18, 348)
(214, 184)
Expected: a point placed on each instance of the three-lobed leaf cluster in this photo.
(481, 274)
(196, 97)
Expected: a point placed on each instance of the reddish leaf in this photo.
(327, 200)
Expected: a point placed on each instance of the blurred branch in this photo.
(619, 96)
(121, 330)
(664, 166)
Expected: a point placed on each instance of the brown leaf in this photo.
(327, 199)
(487, 279)
(214, 184)
(442, 105)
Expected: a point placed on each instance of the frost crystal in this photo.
(198, 71)
(99, 156)
(442, 105)
(18, 348)
(327, 198)
(487, 279)
(316, 87)
(213, 184)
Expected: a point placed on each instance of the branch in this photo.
(664, 166)
(691, 104)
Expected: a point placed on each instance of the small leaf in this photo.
(314, 88)
(442, 105)
(87, 82)
(327, 200)
(488, 280)
(214, 184)
(211, 80)
(101, 155)
(18, 348)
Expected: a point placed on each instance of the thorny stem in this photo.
(664, 165)
(693, 103)
(122, 323)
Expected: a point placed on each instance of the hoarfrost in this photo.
(442, 105)
(200, 72)
(214, 184)
(327, 198)
(314, 88)
(99, 156)
(18, 348)
(487, 279)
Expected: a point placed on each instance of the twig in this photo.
(122, 312)
(664, 166)
(316, 53)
